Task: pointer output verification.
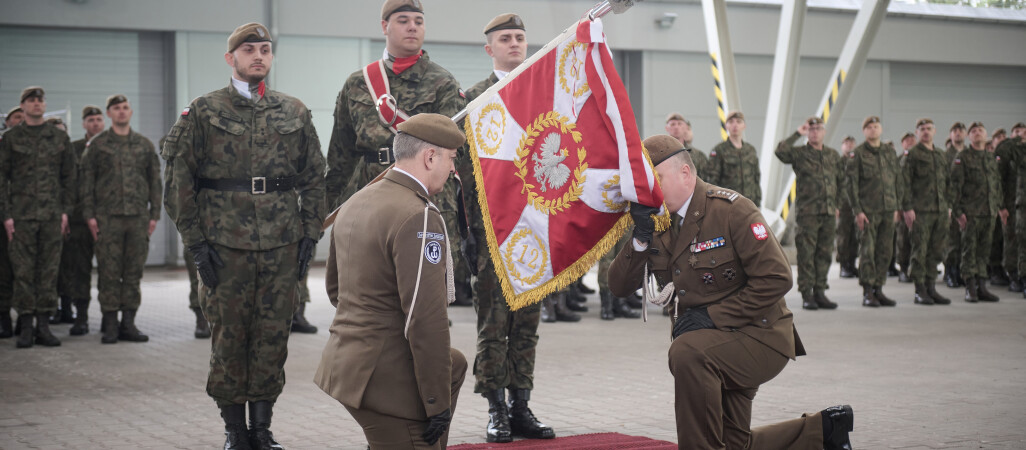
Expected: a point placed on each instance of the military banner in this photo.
(557, 157)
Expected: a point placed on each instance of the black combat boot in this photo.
(128, 331)
(950, 277)
(848, 270)
(931, 289)
(892, 270)
(868, 297)
(548, 309)
(838, 421)
(109, 327)
(809, 302)
(575, 300)
(923, 295)
(606, 311)
(880, 297)
(235, 432)
(202, 330)
(43, 335)
(522, 421)
(998, 277)
(563, 313)
(6, 326)
(26, 333)
(1014, 283)
(65, 314)
(260, 436)
(583, 287)
(903, 274)
(621, 309)
(971, 291)
(822, 301)
(81, 326)
(498, 417)
(299, 322)
(982, 293)
(957, 276)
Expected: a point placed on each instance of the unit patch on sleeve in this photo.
(759, 231)
(433, 252)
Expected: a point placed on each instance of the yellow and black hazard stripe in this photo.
(718, 86)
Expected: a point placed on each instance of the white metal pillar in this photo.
(728, 95)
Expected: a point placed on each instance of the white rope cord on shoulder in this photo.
(450, 290)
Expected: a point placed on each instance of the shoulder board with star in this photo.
(725, 194)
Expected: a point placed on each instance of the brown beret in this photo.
(928, 121)
(976, 124)
(115, 99)
(957, 125)
(250, 32)
(677, 116)
(393, 6)
(13, 110)
(1018, 125)
(32, 91)
(508, 21)
(814, 120)
(869, 120)
(661, 147)
(91, 110)
(999, 132)
(737, 114)
(908, 134)
(434, 129)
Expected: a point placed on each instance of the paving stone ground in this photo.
(918, 377)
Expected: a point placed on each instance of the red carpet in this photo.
(598, 441)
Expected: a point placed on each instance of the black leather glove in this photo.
(306, 251)
(437, 424)
(692, 319)
(644, 225)
(205, 257)
(468, 247)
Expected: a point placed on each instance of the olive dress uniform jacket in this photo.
(742, 281)
(371, 361)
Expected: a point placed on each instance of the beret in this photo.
(928, 121)
(434, 129)
(508, 21)
(957, 125)
(1018, 125)
(393, 6)
(677, 116)
(999, 132)
(250, 32)
(13, 110)
(661, 147)
(976, 124)
(114, 100)
(91, 110)
(814, 120)
(737, 114)
(869, 120)
(908, 134)
(32, 91)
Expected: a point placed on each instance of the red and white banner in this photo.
(557, 157)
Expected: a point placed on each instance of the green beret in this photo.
(508, 21)
(908, 134)
(32, 91)
(434, 129)
(736, 114)
(114, 100)
(974, 125)
(393, 6)
(1018, 125)
(91, 110)
(928, 121)
(677, 116)
(955, 125)
(814, 120)
(869, 120)
(250, 32)
(661, 147)
(16, 109)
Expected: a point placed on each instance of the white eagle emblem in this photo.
(549, 168)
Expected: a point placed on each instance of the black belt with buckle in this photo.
(384, 157)
(255, 185)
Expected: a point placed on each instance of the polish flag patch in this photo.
(185, 112)
(759, 231)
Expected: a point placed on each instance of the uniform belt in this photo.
(384, 157)
(255, 185)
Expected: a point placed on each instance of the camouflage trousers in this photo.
(997, 244)
(607, 260)
(876, 244)
(506, 340)
(35, 259)
(190, 267)
(929, 238)
(76, 270)
(814, 242)
(903, 245)
(121, 250)
(976, 246)
(847, 238)
(1011, 254)
(6, 276)
(250, 314)
(1017, 219)
(953, 252)
(304, 290)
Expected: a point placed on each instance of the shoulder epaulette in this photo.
(722, 193)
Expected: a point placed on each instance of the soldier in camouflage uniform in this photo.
(680, 128)
(926, 169)
(75, 276)
(902, 241)
(246, 192)
(976, 194)
(506, 340)
(734, 163)
(14, 118)
(876, 189)
(37, 179)
(818, 179)
(355, 154)
(1011, 152)
(121, 203)
(847, 238)
(953, 257)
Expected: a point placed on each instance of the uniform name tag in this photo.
(435, 236)
(709, 245)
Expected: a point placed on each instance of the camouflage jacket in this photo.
(874, 182)
(817, 174)
(951, 153)
(120, 176)
(735, 169)
(37, 173)
(927, 174)
(701, 162)
(223, 135)
(423, 88)
(1011, 154)
(76, 216)
(466, 166)
(975, 186)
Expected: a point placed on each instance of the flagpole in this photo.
(596, 12)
